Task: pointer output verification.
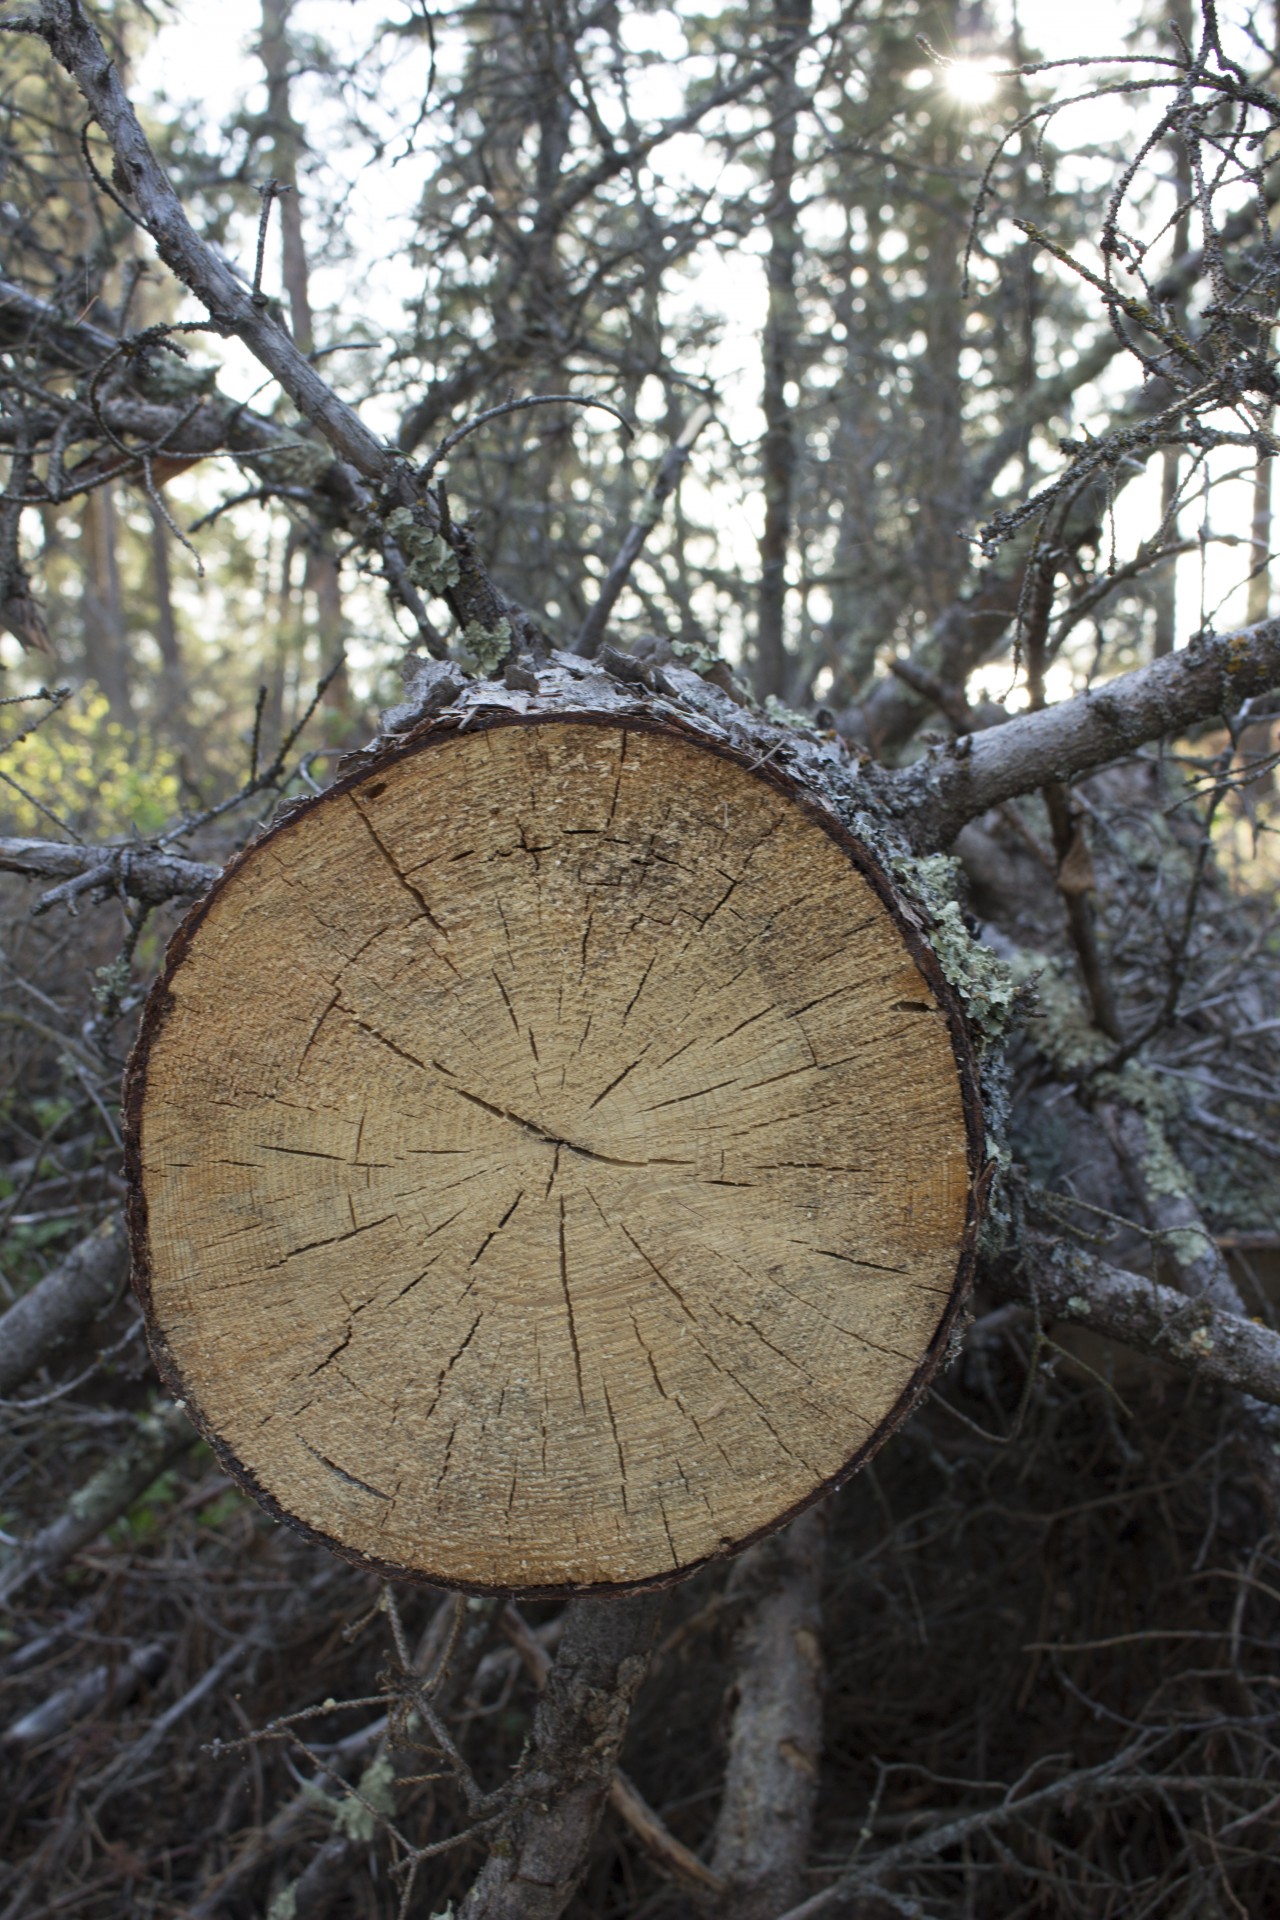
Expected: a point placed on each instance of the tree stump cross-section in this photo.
(552, 1157)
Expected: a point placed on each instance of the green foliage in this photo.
(147, 1514)
(225, 1507)
(91, 773)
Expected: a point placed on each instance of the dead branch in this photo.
(111, 1491)
(49, 1317)
(1166, 1195)
(664, 484)
(232, 306)
(625, 1797)
(1067, 1282)
(456, 1639)
(106, 1687)
(144, 873)
(1116, 1779)
(766, 1815)
(539, 1852)
(955, 783)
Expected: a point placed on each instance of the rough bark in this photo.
(766, 1815)
(1208, 678)
(539, 1852)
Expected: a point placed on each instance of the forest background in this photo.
(922, 373)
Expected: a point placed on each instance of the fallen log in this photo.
(554, 1150)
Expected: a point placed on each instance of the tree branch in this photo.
(232, 306)
(664, 483)
(239, 310)
(144, 873)
(771, 1786)
(539, 1852)
(952, 784)
(1066, 1282)
(45, 1320)
(111, 1491)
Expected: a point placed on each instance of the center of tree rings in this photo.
(552, 1158)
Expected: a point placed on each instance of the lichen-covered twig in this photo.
(458, 1654)
(147, 874)
(933, 798)
(160, 1440)
(1068, 1282)
(1167, 1197)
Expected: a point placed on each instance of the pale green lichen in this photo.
(782, 715)
(357, 1816)
(487, 647)
(167, 376)
(987, 989)
(284, 1905)
(294, 463)
(694, 654)
(431, 562)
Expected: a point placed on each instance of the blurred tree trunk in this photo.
(173, 678)
(1259, 599)
(940, 560)
(105, 638)
(781, 334)
(1165, 579)
(286, 149)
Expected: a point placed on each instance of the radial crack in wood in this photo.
(553, 1156)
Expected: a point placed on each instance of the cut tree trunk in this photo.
(553, 1154)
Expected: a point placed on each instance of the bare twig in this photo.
(451, 440)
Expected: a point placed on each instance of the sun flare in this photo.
(973, 82)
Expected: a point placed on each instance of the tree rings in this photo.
(552, 1157)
